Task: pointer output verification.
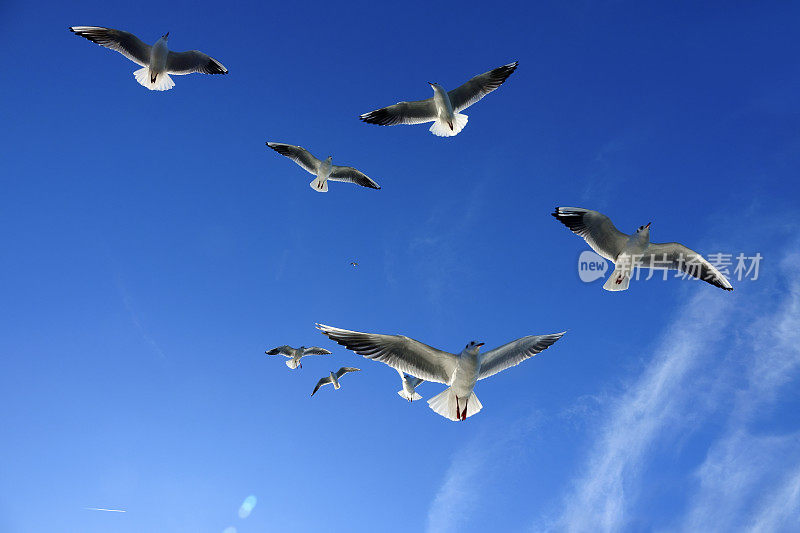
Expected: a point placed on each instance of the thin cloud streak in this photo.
(107, 510)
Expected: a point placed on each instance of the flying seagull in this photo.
(632, 251)
(353, 263)
(459, 372)
(410, 383)
(334, 378)
(157, 61)
(445, 106)
(295, 354)
(323, 170)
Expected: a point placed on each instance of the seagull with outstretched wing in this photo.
(334, 378)
(410, 384)
(635, 251)
(459, 372)
(323, 170)
(157, 61)
(294, 355)
(444, 109)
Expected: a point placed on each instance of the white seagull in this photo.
(157, 61)
(295, 354)
(459, 372)
(410, 383)
(445, 106)
(323, 170)
(334, 378)
(635, 251)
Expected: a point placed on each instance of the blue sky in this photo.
(154, 248)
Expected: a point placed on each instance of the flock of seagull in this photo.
(415, 361)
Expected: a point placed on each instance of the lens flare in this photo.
(247, 506)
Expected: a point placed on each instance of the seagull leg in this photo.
(458, 412)
(464, 412)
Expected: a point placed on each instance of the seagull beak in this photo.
(479, 344)
(648, 225)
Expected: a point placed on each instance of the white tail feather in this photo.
(291, 363)
(163, 81)
(618, 280)
(315, 184)
(408, 397)
(444, 404)
(442, 128)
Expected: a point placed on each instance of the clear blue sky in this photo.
(153, 248)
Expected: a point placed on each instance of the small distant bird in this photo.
(158, 61)
(459, 372)
(295, 354)
(323, 170)
(631, 251)
(353, 263)
(410, 383)
(334, 378)
(443, 109)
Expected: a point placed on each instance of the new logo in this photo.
(591, 266)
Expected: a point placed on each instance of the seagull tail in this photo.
(442, 128)
(618, 280)
(291, 363)
(163, 81)
(319, 185)
(445, 404)
(409, 397)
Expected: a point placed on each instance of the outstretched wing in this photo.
(298, 154)
(315, 350)
(596, 229)
(320, 383)
(415, 112)
(123, 42)
(397, 351)
(285, 350)
(351, 175)
(514, 353)
(193, 61)
(345, 369)
(675, 256)
(464, 96)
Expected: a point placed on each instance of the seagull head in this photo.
(165, 36)
(644, 231)
(473, 347)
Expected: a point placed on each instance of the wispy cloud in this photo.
(689, 382)
(107, 510)
(126, 301)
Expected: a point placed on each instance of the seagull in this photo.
(410, 383)
(632, 251)
(353, 263)
(459, 372)
(445, 106)
(295, 354)
(323, 170)
(334, 378)
(157, 61)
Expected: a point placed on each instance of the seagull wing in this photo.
(514, 353)
(397, 351)
(315, 350)
(464, 96)
(298, 154)
(285, 350)
(415, 112)
(123, 42)
(675, 256)
(193, 61)
(351, 175)
(345, 369)
(596, 229)
(320, 383)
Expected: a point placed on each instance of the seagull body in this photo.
(157, 61)
(410, 383)
(632, 251)
(323, 170)
(296, 354)
(334, 378)
(459, 372)
(444, 108)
